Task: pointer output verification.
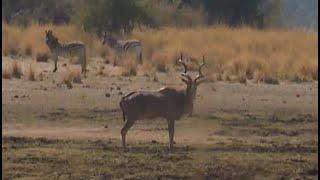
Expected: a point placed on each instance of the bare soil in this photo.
(238, 131)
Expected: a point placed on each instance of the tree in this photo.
(112, 15)
(232, 12)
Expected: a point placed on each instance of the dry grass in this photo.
(42, 57)
(258, 55)
(30, 40)
(149, 70)
(41, 76)
(280, 54)
(31, 74)
(6, 73)
(71, 77)
(16, 70)
(101, 71)
(130, 67)
(161, 62)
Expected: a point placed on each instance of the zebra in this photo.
(66, 50)
(120, 47)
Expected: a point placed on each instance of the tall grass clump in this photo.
(6, 73)
(31, 74)
(130, 67)
(16, 70)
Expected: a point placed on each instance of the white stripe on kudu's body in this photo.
(168, 103)
(66, 50)
(121, 47)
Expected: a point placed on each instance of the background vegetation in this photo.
(123, 15)
(241, 39)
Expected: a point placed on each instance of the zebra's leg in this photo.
(139, 55)
(115, 59)
(83, 63)
(55, 58)
(83, 66)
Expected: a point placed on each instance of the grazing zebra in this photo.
(122, 46)
(66, 50)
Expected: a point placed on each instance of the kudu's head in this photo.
(50, 38)
(192, 85)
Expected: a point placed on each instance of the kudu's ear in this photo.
(185, 81)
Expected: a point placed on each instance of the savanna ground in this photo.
(64, 126)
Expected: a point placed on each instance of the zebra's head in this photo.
(108, 38)
(50, 38)
(104, 38)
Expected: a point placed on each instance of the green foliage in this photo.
(173, 12)
(22, 12)
(113, 15)
(233, 12)
(272, 13)
(123, 15)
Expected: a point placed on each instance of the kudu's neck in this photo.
(188, 99)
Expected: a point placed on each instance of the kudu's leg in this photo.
(124, 131)
(171, 132)
(191, 110)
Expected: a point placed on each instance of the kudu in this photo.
(168, 103)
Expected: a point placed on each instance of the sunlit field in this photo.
(237, 54)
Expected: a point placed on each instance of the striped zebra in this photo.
(69, 49)
(120, 47)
